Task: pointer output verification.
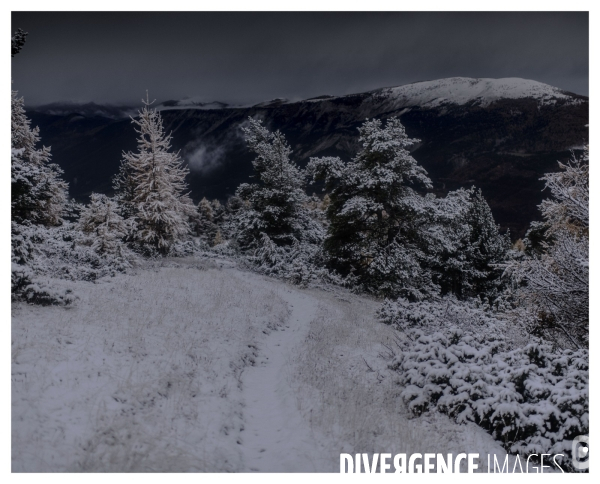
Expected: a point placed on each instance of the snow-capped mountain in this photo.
(429, 94)
(481, 92)
(501, 135)
(457, 91)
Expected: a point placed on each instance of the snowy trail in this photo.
(150, 374)
(276, 438)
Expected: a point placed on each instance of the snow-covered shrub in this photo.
(553, 281)
(299, 263)
(28, 286)
(445, 313)
(28, 277)
(45, 258)
(532, 399)
(183, 248)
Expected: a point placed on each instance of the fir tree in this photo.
(103, 225)
(152, 186)
(487, 249)
(38, 195)
(276, 205)
(374, 214)
(569, 207)
(205, 225)
(217, 209)
(38, 199)
(219, 213)
(465, 247)
(17, 41)
(124, 187)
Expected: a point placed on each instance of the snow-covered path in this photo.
(192, 367)
(276, 438)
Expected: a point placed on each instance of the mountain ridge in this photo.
(511, 87)
(503, 145)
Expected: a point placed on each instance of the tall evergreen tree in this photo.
(218, 212)
(465, 247)
(276, 205)
(152, 186)
(204, 223)
(38, 195)
(375, 231)
(487, 249)
(124, 187)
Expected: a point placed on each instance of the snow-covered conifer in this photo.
(38, 195)
(102, 224)
(217, 210)
(486, 247)
(204, 222)
(206, 209)
(375, 214)
(465, 246)
(124, 187)
(17, 41)
(276, 205)
(152, 184)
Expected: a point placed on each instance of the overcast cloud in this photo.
(252, 57)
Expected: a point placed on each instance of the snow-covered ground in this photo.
(193, 365)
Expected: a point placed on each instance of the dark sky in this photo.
(251, 57)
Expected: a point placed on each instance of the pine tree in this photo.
(124, 187)
(465, 247)
(375, 215)
(205, 225)
(276, 205)
(38, 195)
(487, 249)
(152, 186)
(101, 222)
(38, 199)
(17, 41)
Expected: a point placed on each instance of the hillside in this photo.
(501, 135)
(192, 365)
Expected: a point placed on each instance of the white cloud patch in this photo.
(204, 158)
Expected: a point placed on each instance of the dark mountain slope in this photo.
(500, 135)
